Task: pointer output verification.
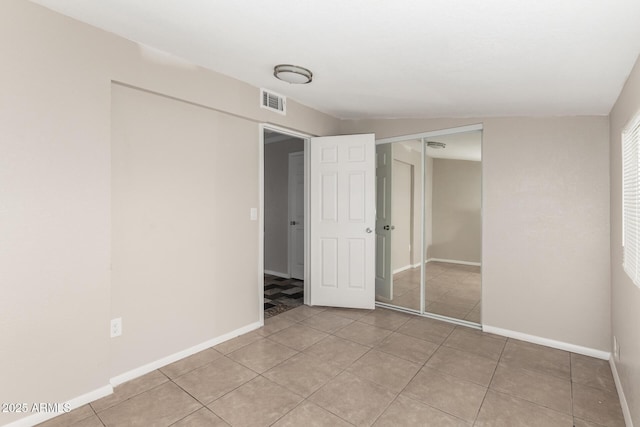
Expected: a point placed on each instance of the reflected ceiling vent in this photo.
(272, 101)
(436, 145)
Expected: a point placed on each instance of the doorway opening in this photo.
(284, 219)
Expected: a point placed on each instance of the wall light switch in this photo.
(253, 214)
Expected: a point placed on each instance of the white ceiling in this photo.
(403, 58)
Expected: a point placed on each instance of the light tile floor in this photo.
(451, 290)
(314, 366)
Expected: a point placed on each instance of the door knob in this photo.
(368, 230)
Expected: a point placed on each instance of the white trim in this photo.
(145, 369)
(441, 132)
(74, 403)
(587, 351)
(261, 224)
(401, 269)
(623, 399)
(277, 274)
(79, 401)
(283, 130)
(453, 261)
(307, 140)
(428, 315)
(423, 217)
(307, 222)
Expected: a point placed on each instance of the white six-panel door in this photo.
(342, 220)
(384, 174)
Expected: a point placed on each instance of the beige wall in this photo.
(545, 230)
(55, 170)
(183, 245)
(428, 208)
(276, 208)
(401, 215)
(413, 158)
(625, 296)
(546, 206)
(457, 203)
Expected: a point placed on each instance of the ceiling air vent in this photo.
(272, 101)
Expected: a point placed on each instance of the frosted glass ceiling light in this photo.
(293, 74)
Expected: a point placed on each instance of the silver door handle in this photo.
(368, 230)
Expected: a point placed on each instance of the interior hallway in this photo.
(281, 294)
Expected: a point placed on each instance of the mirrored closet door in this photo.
(428, 225)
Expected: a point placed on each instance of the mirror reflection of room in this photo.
(450, 190)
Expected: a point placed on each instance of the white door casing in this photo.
(384, 174)
(342, 221)
(296, 215)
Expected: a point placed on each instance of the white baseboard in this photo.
(278, 274)
(79, 401)
(149, 367)
(623, 400)
(401, 269)
(454, 261)
(74, 403)
(560, 345)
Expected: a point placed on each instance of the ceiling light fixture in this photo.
(292, 74)
(436, 145)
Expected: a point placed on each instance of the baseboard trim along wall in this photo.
(454, 261)
(586, 351)
(401, 269)
(132, 374)
(623, 400)
(278, 274)
(74, 403)
(145, 369)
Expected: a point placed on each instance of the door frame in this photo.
(289, 191)
(307, 140)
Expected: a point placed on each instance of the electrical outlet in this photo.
(116, 327)
(253, 214)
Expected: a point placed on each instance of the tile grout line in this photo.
(346, 368)
(490, 381)
(351, 364)
(416, 374)
(133, 395)
(573, 416)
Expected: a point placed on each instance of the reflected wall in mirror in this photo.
(453, 225)
(398, 221)
(449, 239)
